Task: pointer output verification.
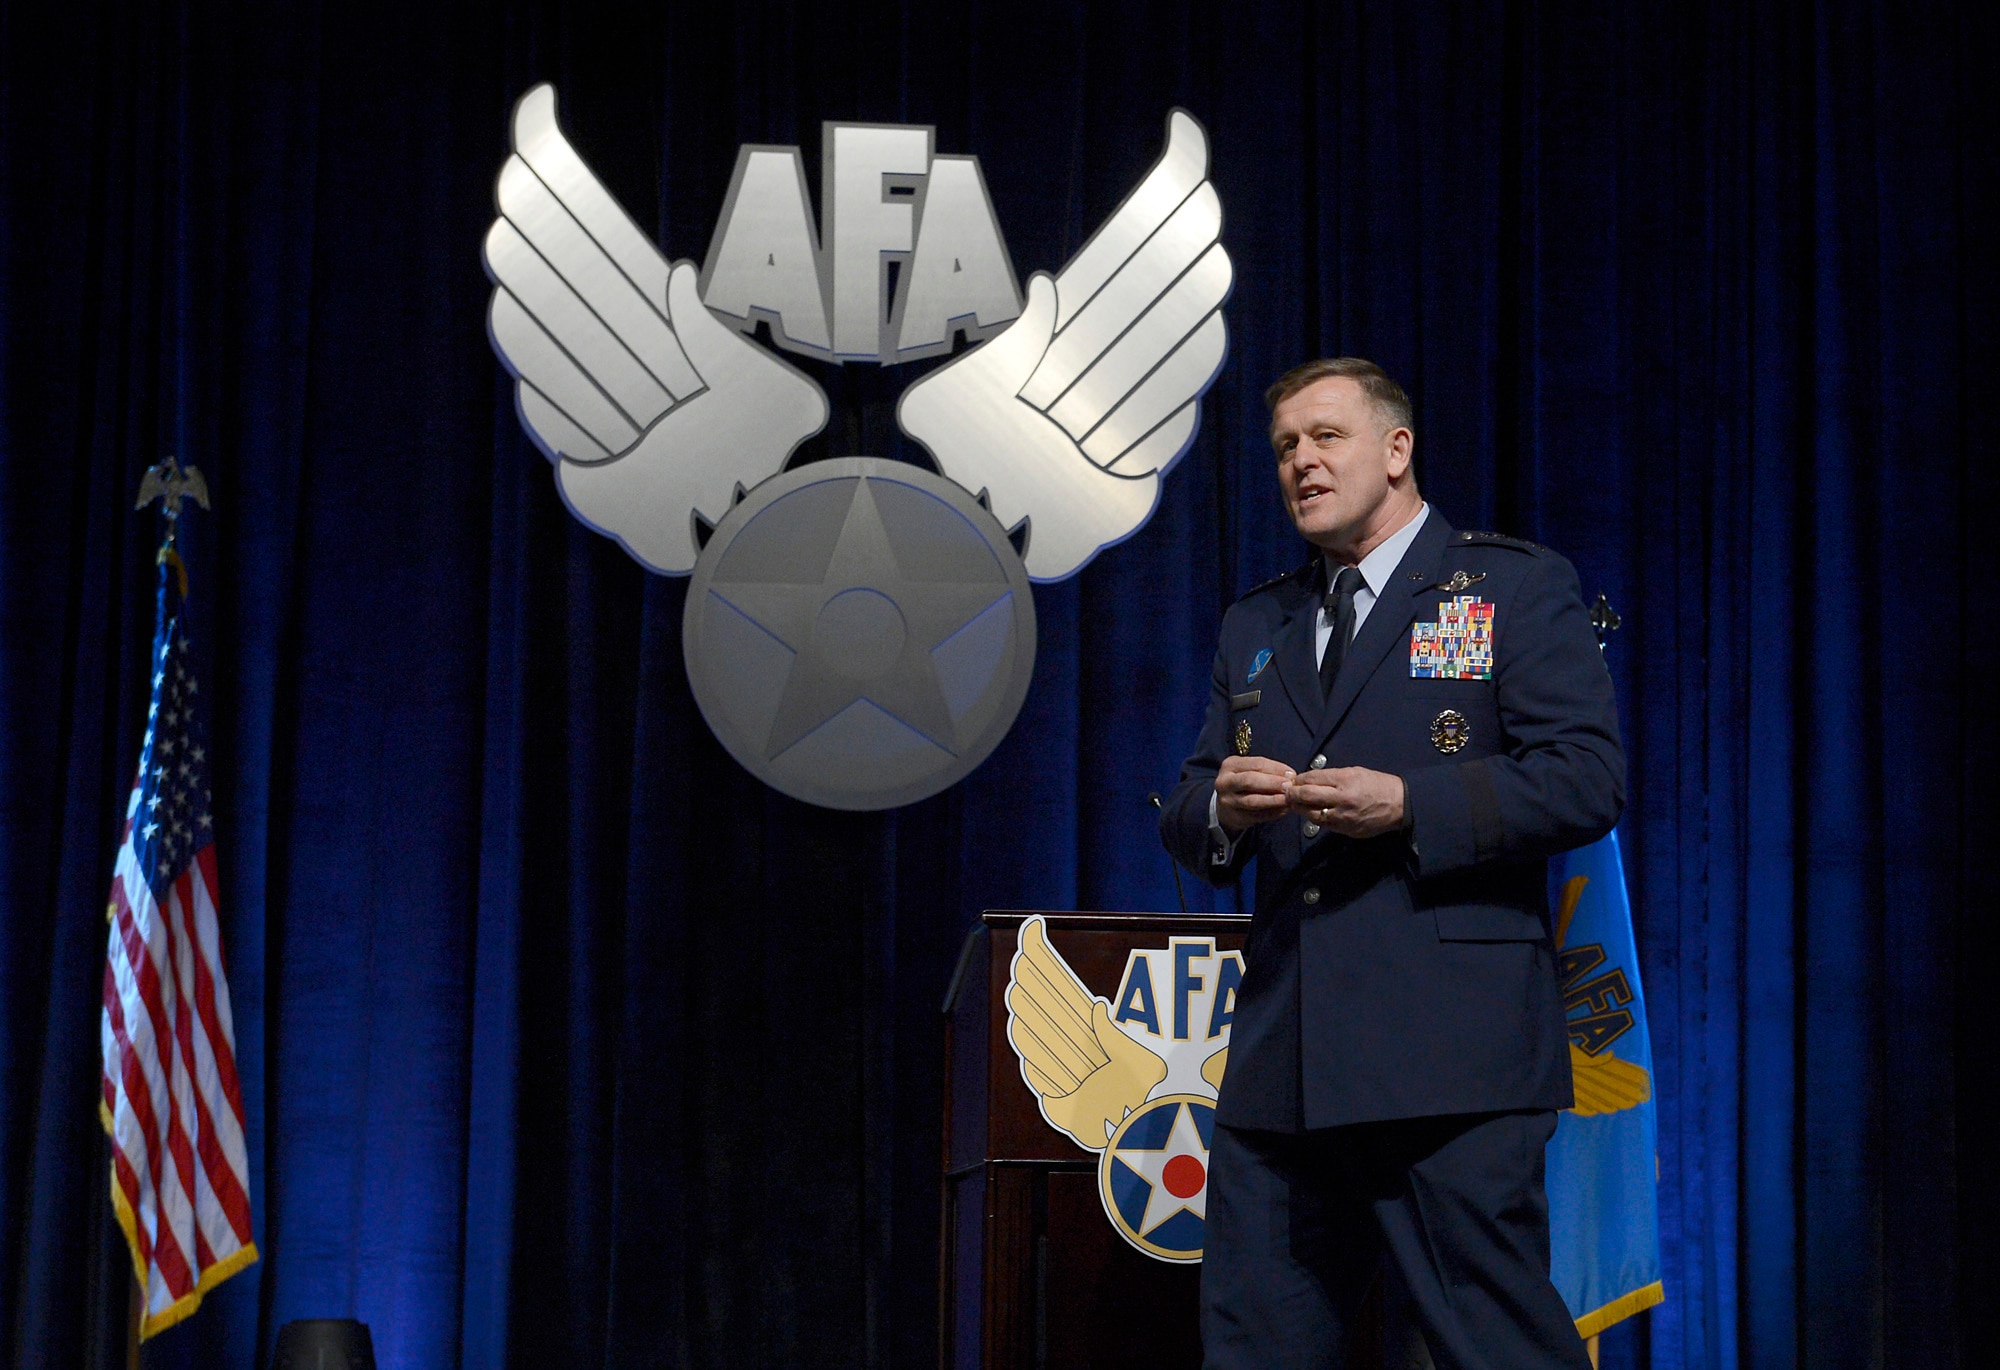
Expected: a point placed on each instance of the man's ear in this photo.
(1402, 444)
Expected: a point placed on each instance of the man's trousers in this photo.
(1454, 1208)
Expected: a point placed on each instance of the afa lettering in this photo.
(1607, 992)
(1222, 1009)
(1596, 1031)
(1135, 996)
(1186, 982)
(961, 279)
(1601, 1000)
(764, 260)
(889, 201)
(1195, 995)
(1577, 962)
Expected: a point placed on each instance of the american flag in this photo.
(172, 1104)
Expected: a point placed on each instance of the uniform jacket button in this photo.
(1311, 828)
(1311, 895)
(1319, 761)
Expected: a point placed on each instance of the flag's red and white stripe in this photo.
(172, 1103)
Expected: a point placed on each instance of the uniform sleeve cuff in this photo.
(1221, 846)
(1439, 816)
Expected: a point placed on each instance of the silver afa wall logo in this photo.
(859, 633)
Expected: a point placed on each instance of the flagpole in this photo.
(166, 483)
(170, 1055)
(1604, 621)
(137, 1303)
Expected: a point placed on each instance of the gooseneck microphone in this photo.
(1172, 865)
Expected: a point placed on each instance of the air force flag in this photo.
(1603, 1210)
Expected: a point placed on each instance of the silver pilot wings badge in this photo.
(859, 633)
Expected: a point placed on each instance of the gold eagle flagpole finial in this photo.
(168, 482)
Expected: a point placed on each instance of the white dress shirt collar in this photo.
(1380, 564)
(1375, 568)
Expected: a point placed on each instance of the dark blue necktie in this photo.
(1340, 603)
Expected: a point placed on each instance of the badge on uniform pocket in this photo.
(1450, 732)
(1458, 646)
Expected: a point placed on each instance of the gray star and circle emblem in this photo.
(859, 633)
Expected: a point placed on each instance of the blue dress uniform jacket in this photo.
(1411, 974)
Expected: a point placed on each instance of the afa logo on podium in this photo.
(859, 633)
(1132, 1078)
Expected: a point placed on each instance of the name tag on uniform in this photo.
(1247, 700)
(1458, 646)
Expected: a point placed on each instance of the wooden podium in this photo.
(1032, 1272)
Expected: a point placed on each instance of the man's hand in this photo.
(1250, 790)
(1352, 800)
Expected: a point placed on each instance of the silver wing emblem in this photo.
(651, 409)
(1069, 417)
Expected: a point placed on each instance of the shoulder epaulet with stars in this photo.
(1294, 574)
(1500, 540)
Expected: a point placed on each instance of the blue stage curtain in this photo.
(566, 1043)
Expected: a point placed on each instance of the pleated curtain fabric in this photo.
(563, 1041)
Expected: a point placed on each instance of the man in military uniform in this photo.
(1401, 732)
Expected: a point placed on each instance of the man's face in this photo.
(1336, 456)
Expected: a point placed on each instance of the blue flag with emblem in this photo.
(1604, 1224)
